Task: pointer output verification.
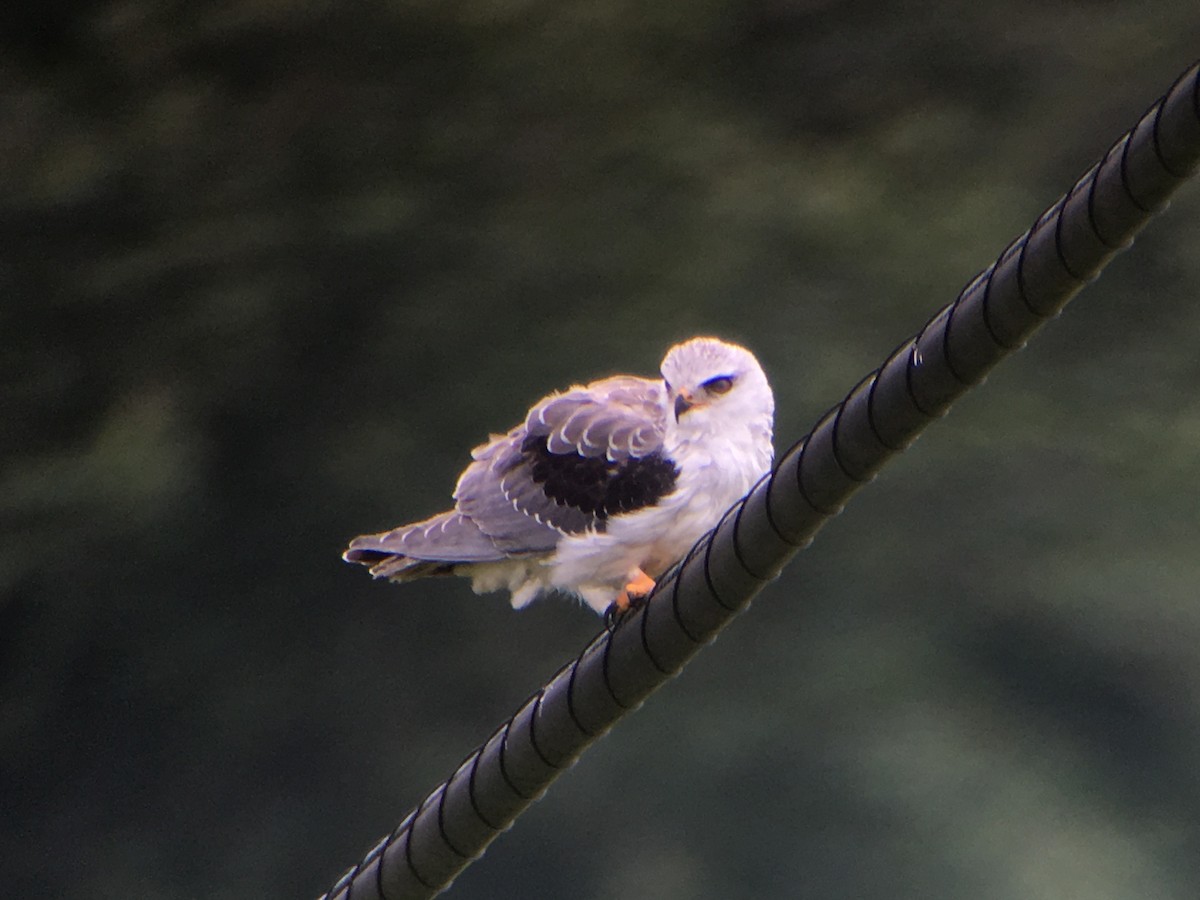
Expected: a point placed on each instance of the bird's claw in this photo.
(617, 611)
(633, 598)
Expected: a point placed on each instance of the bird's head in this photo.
(716, 387)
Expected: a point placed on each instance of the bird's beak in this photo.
(683, 403)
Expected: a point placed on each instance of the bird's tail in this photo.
(436, 546)
(396, 566)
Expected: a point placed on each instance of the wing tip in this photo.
(396, 566)
(363, 555)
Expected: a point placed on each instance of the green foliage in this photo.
(272, 269)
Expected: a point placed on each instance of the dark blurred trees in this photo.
(269, 270)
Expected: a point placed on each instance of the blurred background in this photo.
(270, 269)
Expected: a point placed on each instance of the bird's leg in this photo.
(632, 597)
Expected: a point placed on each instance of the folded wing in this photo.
(579, 458)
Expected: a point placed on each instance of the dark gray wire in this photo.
(995, 313)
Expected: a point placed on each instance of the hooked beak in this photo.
(683, 403)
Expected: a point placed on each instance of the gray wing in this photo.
(579, 457)
(432, 547)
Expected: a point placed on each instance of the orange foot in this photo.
(634, 595)
(636, 590)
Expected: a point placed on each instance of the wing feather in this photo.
(431, 547)
(579, 457)
(584, 455)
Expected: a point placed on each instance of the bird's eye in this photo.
(667, 385)
(719, 385)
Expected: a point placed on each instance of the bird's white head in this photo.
(716, 388)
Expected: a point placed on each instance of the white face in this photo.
(714, 385)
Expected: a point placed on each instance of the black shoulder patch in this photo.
(596, 485)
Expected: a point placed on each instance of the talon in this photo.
(620, 609)
(638, 588)
(632, 598)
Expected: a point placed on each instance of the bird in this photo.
(601, 488)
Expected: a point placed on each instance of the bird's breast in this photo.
(711, 479)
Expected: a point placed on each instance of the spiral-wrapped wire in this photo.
(996, 313)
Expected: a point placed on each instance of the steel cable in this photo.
(993, 315)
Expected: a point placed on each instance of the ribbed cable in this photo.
(996, 313)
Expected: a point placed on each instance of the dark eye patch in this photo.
(722, 384)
